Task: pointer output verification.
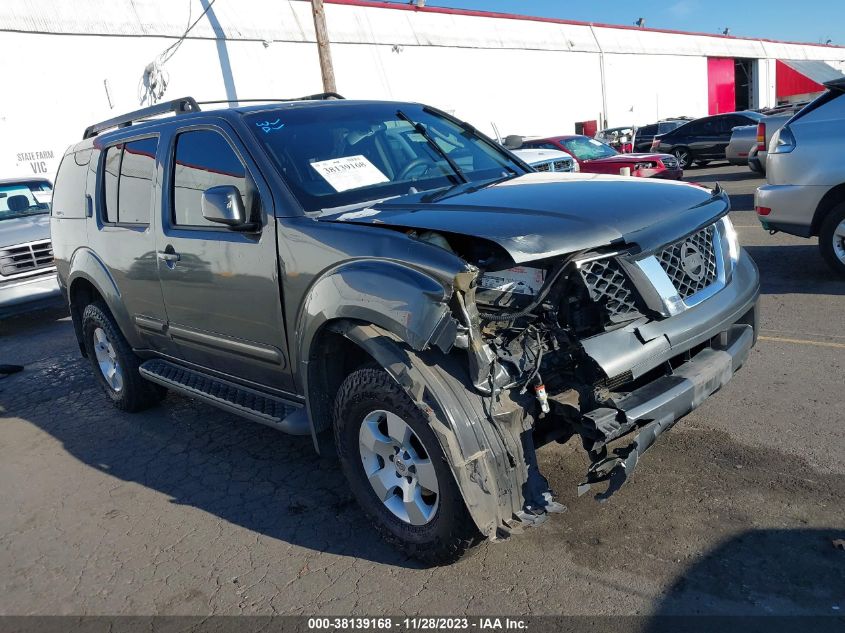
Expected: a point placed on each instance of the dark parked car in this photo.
(703, 140)
(404, 290)
(643, 136)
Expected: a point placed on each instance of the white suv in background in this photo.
(805, 174)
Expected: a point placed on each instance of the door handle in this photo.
(168, 257)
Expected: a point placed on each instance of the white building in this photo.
(67, 64)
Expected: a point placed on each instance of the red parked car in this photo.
(595, 157)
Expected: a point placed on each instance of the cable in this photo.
(155, 78)
(164, 57)
(510, 316)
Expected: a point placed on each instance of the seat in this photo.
(18, 203)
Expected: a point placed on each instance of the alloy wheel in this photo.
(839, 241)
(107, 360)
(398, 467)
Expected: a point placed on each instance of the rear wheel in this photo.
(832, 238)
(683, 156)
(397, 470)
(114, 363)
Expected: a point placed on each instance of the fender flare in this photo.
(486, 463)
(85, 264)
(403, 300)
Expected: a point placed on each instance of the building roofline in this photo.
(387, 4)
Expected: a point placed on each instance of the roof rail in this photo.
(321, 96)
(177, 106)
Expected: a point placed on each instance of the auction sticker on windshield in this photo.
(350, 172)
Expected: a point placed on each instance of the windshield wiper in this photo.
(422, 131)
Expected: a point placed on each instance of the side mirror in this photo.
(224, 205)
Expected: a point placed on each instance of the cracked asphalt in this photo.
(184, 509)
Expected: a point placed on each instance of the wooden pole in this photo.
(326, 68)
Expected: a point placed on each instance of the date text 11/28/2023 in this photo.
(417, 624)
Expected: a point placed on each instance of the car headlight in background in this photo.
(731, 238)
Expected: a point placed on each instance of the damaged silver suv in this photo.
(385, 279)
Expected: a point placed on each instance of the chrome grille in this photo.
(555, 165)
(25, 257)
(691, 263)
(669, 163)
(609, 286)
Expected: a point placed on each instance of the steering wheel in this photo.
(415, 164)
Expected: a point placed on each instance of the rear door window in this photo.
(128, 175)
(135, 187)
(111, 172)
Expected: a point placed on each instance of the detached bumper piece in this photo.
(656, 406)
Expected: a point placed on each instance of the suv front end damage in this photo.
(612, 345)
(610, 331)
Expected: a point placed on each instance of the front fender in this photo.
(84, 264)
(398, 298)
(486, 459)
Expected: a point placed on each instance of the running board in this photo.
(283, 415)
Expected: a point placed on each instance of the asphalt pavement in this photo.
(184, 509)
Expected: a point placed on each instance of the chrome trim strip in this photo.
(654, 272)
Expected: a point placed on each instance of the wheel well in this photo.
(830, 200)
(331, 359)
(82, 292)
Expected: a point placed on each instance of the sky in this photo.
(801, 21)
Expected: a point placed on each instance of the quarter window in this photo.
(128, 174)
(204, 159)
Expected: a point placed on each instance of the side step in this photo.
(283, 415)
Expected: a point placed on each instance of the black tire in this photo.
(829, 242)
(683, 156)
(135, 393)
(451, 532)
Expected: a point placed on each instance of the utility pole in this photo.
(326, 68)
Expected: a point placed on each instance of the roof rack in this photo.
(836, 84)
(320, 96)
(177, 106)
(185, 105)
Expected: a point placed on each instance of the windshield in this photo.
(335, 155)
(18, 199)
(584, 148)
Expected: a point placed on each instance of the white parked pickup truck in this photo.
(27, 272)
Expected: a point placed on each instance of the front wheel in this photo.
(832, 238)
(682, 155)
(397, 470)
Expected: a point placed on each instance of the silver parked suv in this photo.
(384, 278)
(805, 175)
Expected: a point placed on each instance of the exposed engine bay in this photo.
(525, 328)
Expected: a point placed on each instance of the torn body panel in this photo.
(615, 339)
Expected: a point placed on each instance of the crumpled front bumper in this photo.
(705, 344)
(655, 407)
